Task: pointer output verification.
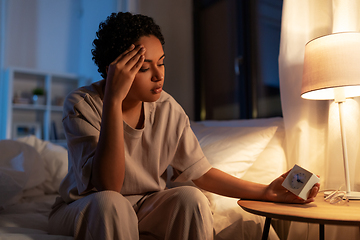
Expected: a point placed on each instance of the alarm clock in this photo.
(299, 181)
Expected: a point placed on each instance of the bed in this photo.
(31, 171)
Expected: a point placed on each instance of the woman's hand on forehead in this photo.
(121, 72)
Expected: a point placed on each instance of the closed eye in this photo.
(146, 69)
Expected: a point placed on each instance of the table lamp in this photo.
(332, 71)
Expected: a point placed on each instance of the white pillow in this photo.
(271, 163)
(21, 168)
(55, 161)
(233, 149)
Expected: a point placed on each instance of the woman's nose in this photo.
(157, 76)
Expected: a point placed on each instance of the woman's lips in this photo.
(157, 90)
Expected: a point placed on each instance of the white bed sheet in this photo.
(28, 219)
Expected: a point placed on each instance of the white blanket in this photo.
(30, 174)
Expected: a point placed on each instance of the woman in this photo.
(122, 133)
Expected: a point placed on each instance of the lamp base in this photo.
(353, 195)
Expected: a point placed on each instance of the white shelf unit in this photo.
(21, 116)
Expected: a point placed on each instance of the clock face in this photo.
(298, 180)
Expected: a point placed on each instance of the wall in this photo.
(175, 20)
(39, 35)
(92, 13)
(2, 50)
(53, 35)
(56, 36)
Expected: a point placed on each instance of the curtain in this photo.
(312, 127)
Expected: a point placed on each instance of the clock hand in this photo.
(298, 179)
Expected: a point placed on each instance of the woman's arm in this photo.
(219, 182)
(108, 169)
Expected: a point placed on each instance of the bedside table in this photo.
(320, 212)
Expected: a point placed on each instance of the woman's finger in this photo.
(132, 46)
(314, 191)
(135, 63)
(126, 56)
(139, 63)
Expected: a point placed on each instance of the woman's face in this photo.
(149, 81)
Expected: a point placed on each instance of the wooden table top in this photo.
(316, 212)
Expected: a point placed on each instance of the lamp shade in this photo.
(332, 63)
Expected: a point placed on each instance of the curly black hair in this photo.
(117, 33)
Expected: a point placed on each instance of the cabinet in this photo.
(24, 114)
